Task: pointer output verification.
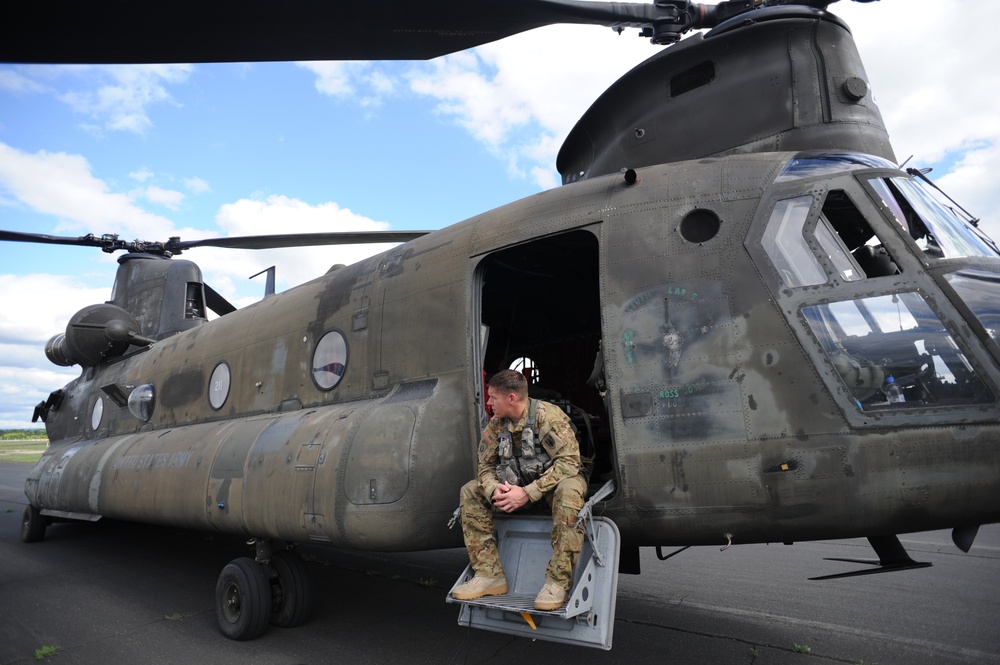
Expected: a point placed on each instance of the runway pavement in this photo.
(125, 593)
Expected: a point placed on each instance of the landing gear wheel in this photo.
(242, 599)
(291, 594)
(33, 525)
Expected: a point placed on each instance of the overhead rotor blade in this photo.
(89, 240)
(159, 31)
(111, 243)
(162, 31)
(296, 240)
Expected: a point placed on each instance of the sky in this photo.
(206, 150)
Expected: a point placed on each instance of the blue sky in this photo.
(238, 149)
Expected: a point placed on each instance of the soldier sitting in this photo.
(528, 452)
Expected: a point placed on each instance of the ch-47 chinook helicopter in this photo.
(765, 330)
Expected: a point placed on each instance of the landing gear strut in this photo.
(250, 593)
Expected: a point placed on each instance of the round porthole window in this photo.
(97, 414)
(218, 386)
(700, 225)
(329, 360)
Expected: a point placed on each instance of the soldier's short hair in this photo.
(510, 381)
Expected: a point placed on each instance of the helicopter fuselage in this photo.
(747, 338)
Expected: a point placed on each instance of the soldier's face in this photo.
(503, 404)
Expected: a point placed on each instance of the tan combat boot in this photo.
(479, 586)
(551, 597)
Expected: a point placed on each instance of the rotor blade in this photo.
(297, 240)
(158, 31)
(161, 31)
(89, 240)
(111, 243)
(216, 302)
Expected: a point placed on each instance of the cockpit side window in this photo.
(785, 243)
(836, 251)
(865, 247)
(842, 234)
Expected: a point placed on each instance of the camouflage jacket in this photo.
(554, 433)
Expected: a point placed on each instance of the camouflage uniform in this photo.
(563, 487)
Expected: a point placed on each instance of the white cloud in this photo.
(381, 83)
(499, 93)
(62, 185)
(929, 72)
(21, 388)
(142, 175)
(166, 197)
(197, 185)
(521, 96)
(333, 78)
(470, 92)
(972, 183)
(37, 307)
(366, 84)
(122, 102)
(11, 81)
(226, 268)
(32, 312)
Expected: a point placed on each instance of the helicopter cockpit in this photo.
(868, 296)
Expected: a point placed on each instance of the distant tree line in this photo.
(22, 434)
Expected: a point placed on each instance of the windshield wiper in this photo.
(917, 173)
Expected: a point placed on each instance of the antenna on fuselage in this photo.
(269, 284)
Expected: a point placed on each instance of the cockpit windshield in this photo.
(936, 228)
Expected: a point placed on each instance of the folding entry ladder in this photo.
(524, 544)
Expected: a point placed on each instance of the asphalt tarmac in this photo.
(113, 592)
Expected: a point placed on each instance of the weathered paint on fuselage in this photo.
(702, 423)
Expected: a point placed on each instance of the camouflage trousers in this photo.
(479, 530)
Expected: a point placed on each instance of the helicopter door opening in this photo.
(541, 314)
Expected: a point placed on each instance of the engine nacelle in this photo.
(95, 333)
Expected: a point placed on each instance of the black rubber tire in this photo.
(33, 525)
(242, 599)
(291, 593)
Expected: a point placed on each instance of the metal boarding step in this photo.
(588, 617)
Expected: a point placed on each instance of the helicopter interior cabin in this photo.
(541, 314)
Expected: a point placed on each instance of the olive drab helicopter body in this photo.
(763, 329)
